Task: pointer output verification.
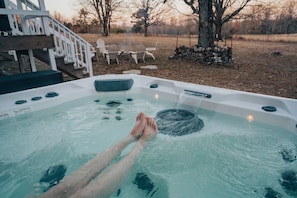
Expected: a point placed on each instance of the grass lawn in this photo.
(258, 69)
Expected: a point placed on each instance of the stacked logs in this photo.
(219, 55)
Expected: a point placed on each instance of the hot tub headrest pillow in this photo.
(113, 84)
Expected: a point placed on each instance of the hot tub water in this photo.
(229, 157)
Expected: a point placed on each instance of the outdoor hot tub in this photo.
(212, 142)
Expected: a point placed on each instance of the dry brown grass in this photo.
(269, 37)
(259, 71)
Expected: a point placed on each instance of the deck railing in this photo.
(26, 18)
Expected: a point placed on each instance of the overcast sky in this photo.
(64, 7)
(69, 8)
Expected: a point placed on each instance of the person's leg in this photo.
(92, 168)
(109, 182)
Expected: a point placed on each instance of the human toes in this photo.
(140, 116)
(152, 123)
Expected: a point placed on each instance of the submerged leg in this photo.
(109, 181)
(92, 168)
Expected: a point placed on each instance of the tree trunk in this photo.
(218, 29)
(145, 22)
(205, 38)
(105, 26)
(218, 23)
(145, 30)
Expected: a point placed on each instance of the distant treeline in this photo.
(282, 25)
(260, 22)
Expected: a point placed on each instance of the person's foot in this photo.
(150, 129)
(139, 125)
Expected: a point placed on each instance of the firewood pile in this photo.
(218, 55)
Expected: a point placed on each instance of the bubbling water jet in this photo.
(178, 122)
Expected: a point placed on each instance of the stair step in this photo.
(6, 56)
(70, 71)
(67, 68)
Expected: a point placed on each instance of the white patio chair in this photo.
(112, 53)
(100, 47)
(150, 50)
(139, 54)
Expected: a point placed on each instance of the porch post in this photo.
(25, 29)
(51, 54)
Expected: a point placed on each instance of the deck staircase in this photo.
(71, 54)
(65, 67)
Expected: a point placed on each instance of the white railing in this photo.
(30, 19)
(68, 44)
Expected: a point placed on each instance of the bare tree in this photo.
(149, 12)
(287, 17)
(224, 11)
(83, 19)
(102, 10)
(270, 18)
(204, 9)
(260, 18)
(58, 16)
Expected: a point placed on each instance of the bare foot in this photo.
(139, 125)
(150, 129)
